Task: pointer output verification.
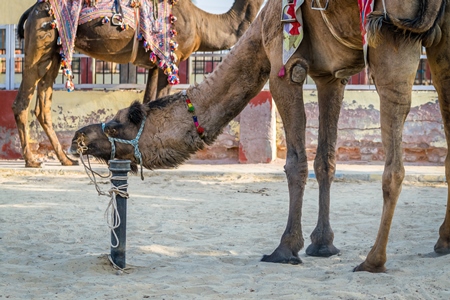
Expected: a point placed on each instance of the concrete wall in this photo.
(251, 139)
(359, 135)
(254, 136)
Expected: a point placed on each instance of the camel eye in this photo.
(113, 129)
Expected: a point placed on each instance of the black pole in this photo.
(119, 168)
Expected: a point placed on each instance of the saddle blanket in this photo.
(155, 21)
(291, 18)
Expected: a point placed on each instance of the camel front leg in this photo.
(288, 95)
(43, 109)
(163, 85)
(439, 59)
(393, 68)
(157, 86)
(330, 94)
(151, 88)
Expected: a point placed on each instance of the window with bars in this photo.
(91, 73)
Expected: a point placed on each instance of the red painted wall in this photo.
(8, 130)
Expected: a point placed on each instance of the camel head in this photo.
(118, 138)
(158, 134)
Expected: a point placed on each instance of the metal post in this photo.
(120, 168)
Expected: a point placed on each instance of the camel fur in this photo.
(197, 31)
(170, 136)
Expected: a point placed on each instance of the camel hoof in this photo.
(442, 247)
(70, 162)
(365, 268)
(277, 257)
(33, 164)
(322, 250)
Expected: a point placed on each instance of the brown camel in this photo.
(170, 136)
(197, 31)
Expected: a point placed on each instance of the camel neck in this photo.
(239, 78)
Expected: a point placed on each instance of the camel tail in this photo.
(21, 24)
(429, 13)
(423, 28)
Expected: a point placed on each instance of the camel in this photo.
(169, 135)
(197, 31)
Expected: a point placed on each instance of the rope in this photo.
(114, 220)
(113, 216)
(155, 10)
(111, 212)
(125, 270)
(136, 5)
(384, 8)
(134, 142)
(88, 168)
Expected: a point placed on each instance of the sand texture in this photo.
(202, 237)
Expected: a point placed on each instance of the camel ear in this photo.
(136, 113)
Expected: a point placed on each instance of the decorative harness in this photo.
(291, 19)
(134, 142)
(191, 109)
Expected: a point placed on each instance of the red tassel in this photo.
(282, 72)
(200, 130)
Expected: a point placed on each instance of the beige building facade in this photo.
(359, 129)
(10, 11)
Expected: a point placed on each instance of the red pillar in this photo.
(85, 70)
(258, 130)
(9, 143)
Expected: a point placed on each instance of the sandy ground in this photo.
(202, 236)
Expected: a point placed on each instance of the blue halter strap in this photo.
(134, 142)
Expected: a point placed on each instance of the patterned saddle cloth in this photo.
(154, 18)
(292, 21)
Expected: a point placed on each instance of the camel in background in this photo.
(330, 52)
(197, 31)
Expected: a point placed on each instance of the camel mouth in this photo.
(81, 148)
(72, 154)
(73, 150)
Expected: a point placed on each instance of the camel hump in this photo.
(428, 14)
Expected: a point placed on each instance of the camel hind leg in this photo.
(157, 85)
(42, 63)
(330, 95)
(43, 109)
(393, 66)
(20, 110)
(290, 105)
(40, 56)
(151, 89)
(439, 60)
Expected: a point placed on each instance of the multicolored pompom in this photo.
(69, 86)
(172, 18)
(153, 58)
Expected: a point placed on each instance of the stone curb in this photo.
(273, 171)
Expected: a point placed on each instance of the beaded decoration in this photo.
(191, 109)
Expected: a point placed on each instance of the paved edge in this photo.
(345, 172)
